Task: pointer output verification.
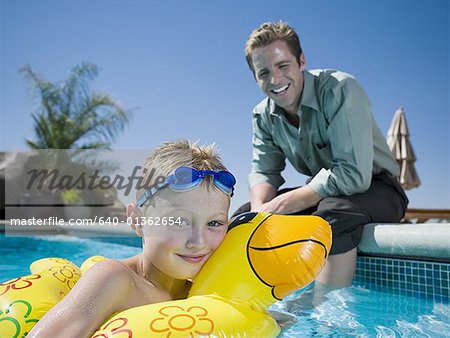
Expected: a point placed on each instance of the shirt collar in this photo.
(309, 97)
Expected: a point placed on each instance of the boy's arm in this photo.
(100, 292)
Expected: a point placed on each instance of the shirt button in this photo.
(301, 138)
(308, 158)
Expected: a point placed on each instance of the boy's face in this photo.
(187, 228)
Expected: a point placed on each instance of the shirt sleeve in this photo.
(349, 114)
(268, 160)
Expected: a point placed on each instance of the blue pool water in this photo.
(356, 311)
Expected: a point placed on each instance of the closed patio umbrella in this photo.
(399, 144)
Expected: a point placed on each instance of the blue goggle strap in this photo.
(150, 192)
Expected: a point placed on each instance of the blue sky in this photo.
(181, 65)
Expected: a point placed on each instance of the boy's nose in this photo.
(197, 239)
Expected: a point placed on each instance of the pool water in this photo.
(17, 253)
(350, 312)
(361, 312)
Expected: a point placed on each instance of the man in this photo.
(322, 122)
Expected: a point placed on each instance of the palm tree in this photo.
(70, 115)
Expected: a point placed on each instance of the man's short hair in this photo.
(268, 33)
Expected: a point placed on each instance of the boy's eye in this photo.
(215, 224)
(182, 222)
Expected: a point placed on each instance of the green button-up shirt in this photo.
(337, 142)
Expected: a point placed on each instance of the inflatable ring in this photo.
(24, 300)
(263, 258)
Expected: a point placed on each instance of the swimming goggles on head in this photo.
(186, 178)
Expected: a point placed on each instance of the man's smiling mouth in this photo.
(280, 90)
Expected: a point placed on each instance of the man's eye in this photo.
(262, 74)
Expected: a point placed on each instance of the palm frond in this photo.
(70, 115)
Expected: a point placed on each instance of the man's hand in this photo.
(265, 207)
(290, 202)
(261, 193)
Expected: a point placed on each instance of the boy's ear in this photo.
(135, 214)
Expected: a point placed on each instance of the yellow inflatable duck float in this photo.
(263, 258)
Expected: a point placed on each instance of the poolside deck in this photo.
(423, 215)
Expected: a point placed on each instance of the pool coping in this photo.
(423, 241)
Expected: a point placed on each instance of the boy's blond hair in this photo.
(163, 161)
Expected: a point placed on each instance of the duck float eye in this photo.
(263, 258)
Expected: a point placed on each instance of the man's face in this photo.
(279, 74)
(191, 226)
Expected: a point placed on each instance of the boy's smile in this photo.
(193, 258)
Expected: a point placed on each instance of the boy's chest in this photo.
(143, 293)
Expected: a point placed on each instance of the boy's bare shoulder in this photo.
(110, 270)
(112, 282)
(123, 277)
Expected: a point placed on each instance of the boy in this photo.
(182, 220)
